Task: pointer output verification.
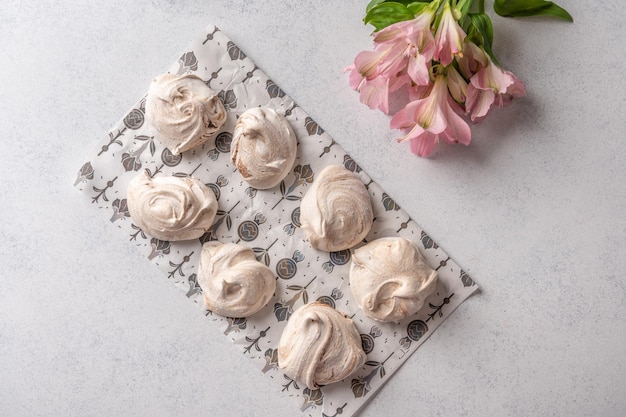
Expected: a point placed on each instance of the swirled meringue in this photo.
(263, 147)
(184, 110)
(233, 282)
(171, 208)
(319, 346)
(390, 279)
(336, 213)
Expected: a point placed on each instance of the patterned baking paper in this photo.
(268, 221)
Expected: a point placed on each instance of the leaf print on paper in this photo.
(159, 248)
(255, 342)
(263, 254)
(112, 139)
(235, 324)
(312, 127)
(389, 204)
(211, 234)
(194, 287)
(427, 241)
(179, 267)
(438, 308)
(466, 279)
(362, 385)
(311, 398)
(187, 62)
(120, 209)
(273, 90)
(85, 173)
(284, 309)
(229, 99)
(102, 191)
(132, 160)
(138, 232)
(350, 165)
(304, 175)
(271, 360)
(290, 383)
(234, 52)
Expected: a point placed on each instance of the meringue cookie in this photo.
(263, 147)
(171, 208)
(319, 346)
(184, 110)
(336, 213)
(390, 279)
(233, 282)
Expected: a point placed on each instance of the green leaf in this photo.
(372, 4)
(520, 8)
(480, 31)
(388, 13)
(416, 7)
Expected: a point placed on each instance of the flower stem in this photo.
(481, 6)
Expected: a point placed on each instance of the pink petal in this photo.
(405, 118)
(375, 94)
(418, 69)
(424, 144)
(449, 37)
(355, 79)
(478, 102)
(366, 62)
(456, 85)
(458, 130)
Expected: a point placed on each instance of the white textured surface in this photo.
(533, 210)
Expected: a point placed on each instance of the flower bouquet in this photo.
(441, 52)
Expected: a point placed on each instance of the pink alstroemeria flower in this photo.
(449, 37)
(432, 118)
(418, 45)
(490, 86)
(403, 52)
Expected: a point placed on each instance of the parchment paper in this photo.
(268, 222)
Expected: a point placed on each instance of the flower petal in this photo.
(449, 37)
(375, 94)
(424, 144)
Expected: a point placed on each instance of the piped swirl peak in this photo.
(263, 148)
(171, 208)
(233, 282)
(319, 346)
(336, 213)
(184, 110)
(390, 280)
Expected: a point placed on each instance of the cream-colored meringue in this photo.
(233, 282)
(184, 110)
(390, 279)
(263, 147)
(336, 213)
(171, 208)
(319, 346)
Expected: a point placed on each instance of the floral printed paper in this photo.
(268, 221)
